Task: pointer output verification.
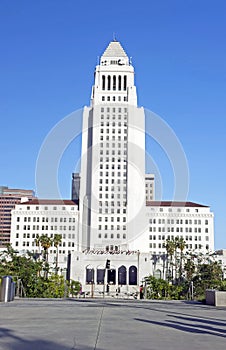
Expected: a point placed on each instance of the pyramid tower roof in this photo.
(114, 49)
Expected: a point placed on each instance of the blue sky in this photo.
(49, 49)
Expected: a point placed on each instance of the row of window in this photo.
(111, 204)
(171, 210)
(114, 181)
(32, 244)
(112, 218)
(106, 182)
(113, 98)
(45, 219)
(188, 246)
(36, 235)
(177, 221)
(112, 159)
(176, 229)
(149, 184)
(113, 196)
(49, 208)
(112, 227)
(113, 166)
(113, 131)
(112, 235)
(114, 83)
(113, 152)
(114, 117)
(113, 173)
(187, 238)
(113, 124)
(112, 210)
(46, 227)
(114, 109)
(116, 147)
(107, 138)
(113, 188)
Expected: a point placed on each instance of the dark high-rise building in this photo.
(75, 186)
(8, 199)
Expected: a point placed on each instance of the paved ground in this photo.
(31, 324)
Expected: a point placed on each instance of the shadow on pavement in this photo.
(190, 328)
(10, 341)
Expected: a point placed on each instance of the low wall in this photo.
(215, 297)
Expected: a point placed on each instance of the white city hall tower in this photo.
(112, 186)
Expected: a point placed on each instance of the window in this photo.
(119, 82)
(103, 82)
(109, 82)
(125, 83)
(114, 82)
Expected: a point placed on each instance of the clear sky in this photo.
(49, 49)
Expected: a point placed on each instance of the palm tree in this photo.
(175, 242)
(164, 262)
(46, 243)
(37, 241)
(170, 248)
(57, 239)
(181, 244)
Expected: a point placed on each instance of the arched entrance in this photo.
(89, 275)
(100, 275)
(122, 275)
(111, 277)
(133, 275)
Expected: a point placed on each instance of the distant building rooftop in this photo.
(50, 202)
(174, 204)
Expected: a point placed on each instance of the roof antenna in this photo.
(114, 37)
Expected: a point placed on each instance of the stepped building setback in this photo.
(113, 214)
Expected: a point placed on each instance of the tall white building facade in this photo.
(117, 217)
(112, 187)
(38, 217)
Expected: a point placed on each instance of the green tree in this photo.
(57, 239)
(189, 268)
(208, 276)
(46, 243)
(23, 269)
(181, 244)
(26, 269)
(157, 288)
(170, 249)
(74, 288)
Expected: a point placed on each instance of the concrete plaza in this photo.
(109, 324)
